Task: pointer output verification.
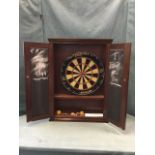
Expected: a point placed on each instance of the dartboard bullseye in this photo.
(82, 73)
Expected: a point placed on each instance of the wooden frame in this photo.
(56, 98)
(126, 50)
(58, 50)
(28, 81)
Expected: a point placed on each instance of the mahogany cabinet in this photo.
(45, 94)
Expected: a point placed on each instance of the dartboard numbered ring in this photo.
(82, 73)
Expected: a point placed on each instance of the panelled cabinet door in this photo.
(36, 77)
(117, 73)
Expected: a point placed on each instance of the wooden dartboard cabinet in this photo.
(45, 93)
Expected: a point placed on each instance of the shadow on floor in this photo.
(27, 151)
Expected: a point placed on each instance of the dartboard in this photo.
(82, 73)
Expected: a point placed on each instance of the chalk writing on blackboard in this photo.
(39, 63)
(116, 67)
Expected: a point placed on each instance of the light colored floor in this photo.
(77, 135)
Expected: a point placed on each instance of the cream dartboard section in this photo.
(82, 73)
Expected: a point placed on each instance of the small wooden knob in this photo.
(72, 114)
(58, 112)
(82, 113)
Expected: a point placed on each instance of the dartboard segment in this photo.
(83, 63)
(82, 74)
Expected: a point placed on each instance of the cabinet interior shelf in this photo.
(75, 97)
(84, 119)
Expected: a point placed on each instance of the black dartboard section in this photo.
(82, 73)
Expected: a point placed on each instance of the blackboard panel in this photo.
(116, 58)
(39, 97)
(39, 74)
